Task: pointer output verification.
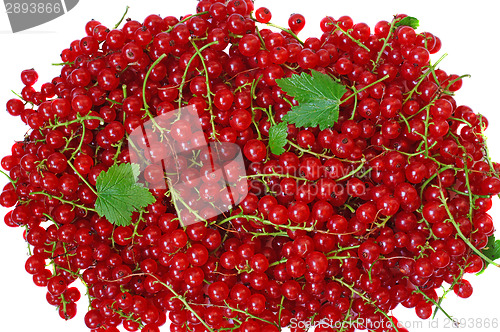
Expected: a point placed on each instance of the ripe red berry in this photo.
(263, 15)
(296, 22)
(29, 77)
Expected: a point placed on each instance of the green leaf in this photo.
(318, 96)
(277, 137)
(408, 21)
(119, 194)
(492, 250)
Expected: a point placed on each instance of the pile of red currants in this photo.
(335, 230)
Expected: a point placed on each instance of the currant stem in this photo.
(274, 174)
(357, 42)
(455, 281)
(417, 290)
(290, 32)
(184, 76)
(157, 61)
(176, 198)
(183, 300)
(424, 75)
(123, 17)
(319, 155)
(10, 179)
(82, 178)
(79, 119)
(78, 149)
(462, 236)
(17, 95)
(207, 82)
(364, 297)
(63, 200)
(386, 41)
(248, 314)
(364, 88)
(187, 19)
(360, 167)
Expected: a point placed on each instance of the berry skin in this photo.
(255, 150)
(263, 15)
(296, 22)
(29, 77)
(249, 45)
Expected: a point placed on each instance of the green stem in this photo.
(438, 305)
(146, 106)
(79, 119)
(123, 17)
(455, 80)
(184, 76)
(63, 200)
(26, 229)
(467, 184)
(262, 42)
(351, 173)
(253, 88)
(265, 222)
(207, 82)
(424, 185)
(347, 316)
(274, 175)
(350, 208)
(157, 61)
(357, 42)
(386, 42)
(273, 234)
(343, 249)
(364, 297)
(354, 106)
(249, 314)
(176, 198)
(79, 145)
(487, 151)
(426, 123)
(69, 63)
(355, 92)
(422, 78)
(290, 32)
(319, 155)
(113, 102)
(462, 236)
(281, 308)
(18, 95)
(461, 120)
(82, 178)
(405, 120)
(440, 300)
(124, 90)
(8, 177)
(183, 300)
(187, 19)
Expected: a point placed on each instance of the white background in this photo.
(469, 33)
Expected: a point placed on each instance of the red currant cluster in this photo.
(381, 209)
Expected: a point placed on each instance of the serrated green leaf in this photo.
(124, 174)
(492, 250)
(277, 137)
(313, 114)
(408, 21)
(119, 194)
(318, 96)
